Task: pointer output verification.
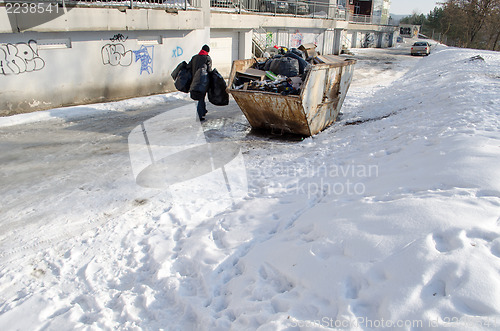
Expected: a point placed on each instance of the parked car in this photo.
(297, 7)
(274, 6)
(222, 3)
(421, 48)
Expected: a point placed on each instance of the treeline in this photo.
(462, 23)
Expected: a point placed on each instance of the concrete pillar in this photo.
(354, 41)
(328, 41)
(391, 40)
(245, 44)
(337, 43)
(380, 37)
(205, 9)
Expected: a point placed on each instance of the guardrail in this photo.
(298, 8)
(368, 19)
(23, 5)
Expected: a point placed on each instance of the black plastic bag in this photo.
(298, 52)
(176, 71)
(285, 66)
(199, 85)
(217, 94)
(267, 65)
(182, 78)
(183, 81)
(303, 64)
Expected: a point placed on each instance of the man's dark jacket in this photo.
(199, 60)
(201, 66)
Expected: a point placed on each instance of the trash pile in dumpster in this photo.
(281, 73)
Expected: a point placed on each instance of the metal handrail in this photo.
(309, 8)
(258, 40)
(153, 4)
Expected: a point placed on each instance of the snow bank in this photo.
(388, 219)
(75, 112)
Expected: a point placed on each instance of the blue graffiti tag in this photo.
(177, 52)
(145, 55)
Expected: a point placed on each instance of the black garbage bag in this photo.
(303, 64)
(285, 66)
(179, 67)
(183, 77)
(199, 85)
(298, 52)
(217, 94)
(260, 65)
(267, 65)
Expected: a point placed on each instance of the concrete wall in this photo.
(45, 70)
(290, 37)
(90, 55)
(359, 35)
(101, 19)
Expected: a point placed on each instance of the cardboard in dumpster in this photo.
(253, 74)
(308, 49)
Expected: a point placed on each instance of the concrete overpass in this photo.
(89, 54)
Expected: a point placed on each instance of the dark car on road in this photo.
(297, 7)
(222, 3)
(274, 6)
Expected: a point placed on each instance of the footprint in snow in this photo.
(352, 287)
(479, 237)
(449, 240)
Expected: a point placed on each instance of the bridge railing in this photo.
(298, 8)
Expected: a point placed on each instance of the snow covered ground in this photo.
(388, 219)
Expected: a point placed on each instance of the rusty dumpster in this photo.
(316, 107)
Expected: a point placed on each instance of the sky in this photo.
(406, 7)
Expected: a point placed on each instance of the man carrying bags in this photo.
(198, 78)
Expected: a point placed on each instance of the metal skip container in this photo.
(316, 107)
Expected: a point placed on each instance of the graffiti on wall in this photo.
(116, 54)
(269, 39)
(178, 51)
(386, 40)
(369, 40)
(118, 37)
(405, 31)
(145, 55)
(19, 58)
(408, 31)
(296, 39)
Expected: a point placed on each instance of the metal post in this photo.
(131, 4)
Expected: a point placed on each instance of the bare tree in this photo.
(492, 27)
(471, 23)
